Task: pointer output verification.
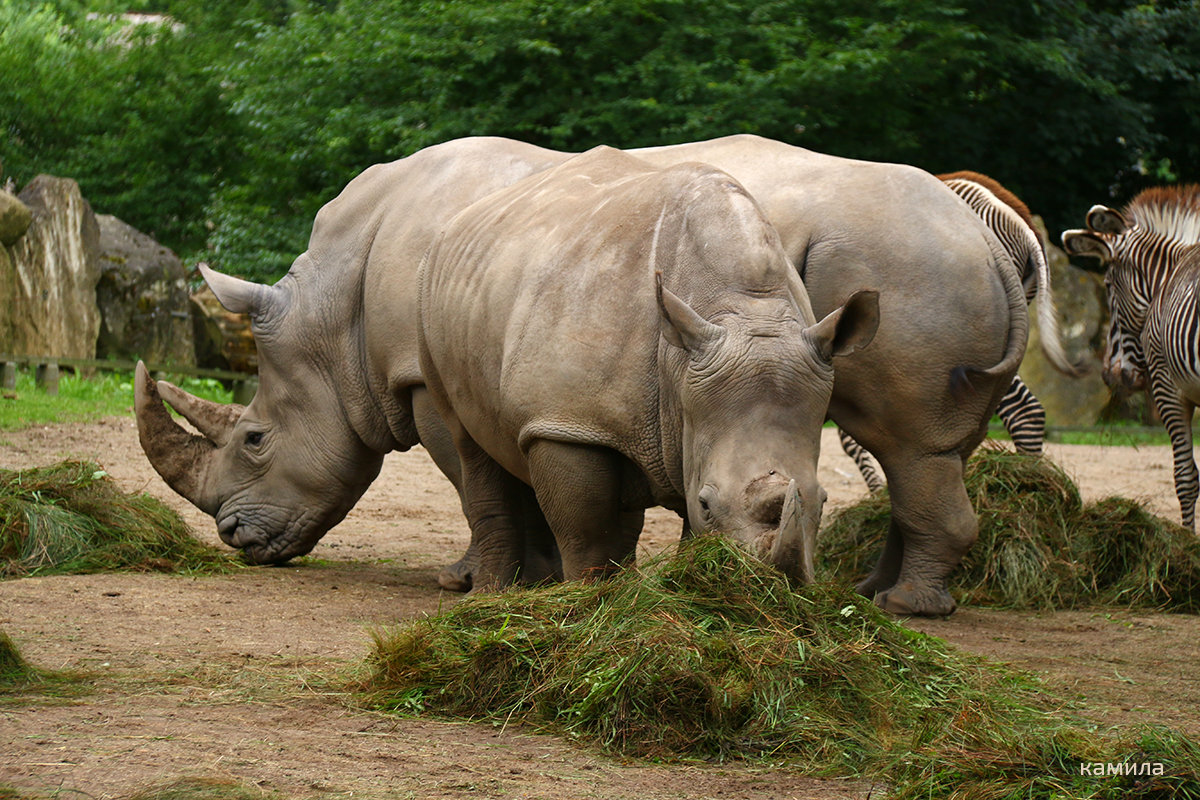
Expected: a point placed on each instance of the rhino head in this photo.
(753, 400)
(277, 474)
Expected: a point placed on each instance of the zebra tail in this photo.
(1048, 328)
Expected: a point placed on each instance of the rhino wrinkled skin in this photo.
(341, 383)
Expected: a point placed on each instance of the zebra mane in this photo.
(1170, 211)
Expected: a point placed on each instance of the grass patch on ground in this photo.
(1040, 546)
(13, 669)
(71, 517)
(708, 653)
(81, 399)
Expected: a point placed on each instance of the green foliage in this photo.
(71, 517)
(82, 399)
(1039, 545)
(253, 114)
(131, 112)
(709, 653)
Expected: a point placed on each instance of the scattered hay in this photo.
(709, 653)
(71, 517)
(203, 789)
(1039, 545)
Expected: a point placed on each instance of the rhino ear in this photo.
(237, 295)
(1102, 219)
(680, 325)
(848, 328)
(1088, 245)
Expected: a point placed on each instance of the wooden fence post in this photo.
(10, 375)
(47, 377)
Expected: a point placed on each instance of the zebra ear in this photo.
(1102, 219)
(1088, 245)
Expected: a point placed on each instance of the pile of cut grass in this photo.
(71, 517)
(709, 653)
(1040, 546)
(14, 671)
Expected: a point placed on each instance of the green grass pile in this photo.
(709, 653)
(71, 517)
(13, 669)
(1039, 545)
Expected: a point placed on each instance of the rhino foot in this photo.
(458, 577)
(905, 599)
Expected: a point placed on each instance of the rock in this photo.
(1083, 319)
(143, 298)
(15, 217)
(223, 339)
(48, 296)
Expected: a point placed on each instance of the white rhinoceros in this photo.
(619, 336)
(340, 384)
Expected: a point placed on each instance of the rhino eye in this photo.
(254, 438)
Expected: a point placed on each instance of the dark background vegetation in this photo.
(222, 137)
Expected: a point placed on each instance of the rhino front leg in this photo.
(579, 490)
(936, 526)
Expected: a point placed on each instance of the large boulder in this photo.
(143, 298)
(48, 293)
(15, 218)
(1083, 314)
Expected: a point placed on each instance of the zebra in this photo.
(1010, 219)
(1150, 255)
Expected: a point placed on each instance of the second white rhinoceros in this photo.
(340, 383)
(619, 336)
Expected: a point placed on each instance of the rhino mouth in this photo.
(258, 546)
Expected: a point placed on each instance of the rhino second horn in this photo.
(793, 549)
(237, 295)
(214, 420)
(181, 458)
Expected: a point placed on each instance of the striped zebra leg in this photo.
(866, 464)
(1176, 413)
(1024, 418)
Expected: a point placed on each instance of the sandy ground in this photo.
(235, 677)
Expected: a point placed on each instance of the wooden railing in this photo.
(47, 367)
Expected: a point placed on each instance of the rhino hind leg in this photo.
(578, 488)
(541, 564)
(492, 502)
(459, 576)
(933, 518)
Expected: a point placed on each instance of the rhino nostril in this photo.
(227, 530)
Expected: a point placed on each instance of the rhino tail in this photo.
(966, 382)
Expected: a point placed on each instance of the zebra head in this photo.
(1135, 250)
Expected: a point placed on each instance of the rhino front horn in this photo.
(181, 458)
(795, 544)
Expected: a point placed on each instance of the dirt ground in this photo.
(236, 677)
